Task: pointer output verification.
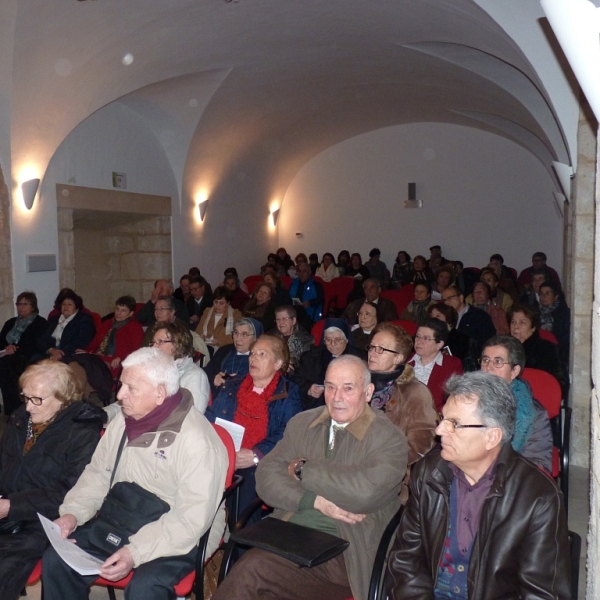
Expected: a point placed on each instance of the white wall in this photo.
(114, 138)
(481, 194)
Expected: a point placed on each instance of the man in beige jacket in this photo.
(171, 451)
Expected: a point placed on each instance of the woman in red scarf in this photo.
(263, 404)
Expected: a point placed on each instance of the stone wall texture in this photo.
(7, 309)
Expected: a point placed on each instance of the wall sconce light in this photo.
(275, 216)
(29, 189)
(202, 210)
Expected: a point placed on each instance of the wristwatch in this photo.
(298, 468)
(255, 459)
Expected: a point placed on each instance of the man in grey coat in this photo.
(338, 469)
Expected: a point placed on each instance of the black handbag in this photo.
(303, 545)
(125, 510)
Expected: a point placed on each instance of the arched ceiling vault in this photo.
(264, 85)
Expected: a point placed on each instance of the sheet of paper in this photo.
(235, 431)
(72, 554)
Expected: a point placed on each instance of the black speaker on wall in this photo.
(412, 191)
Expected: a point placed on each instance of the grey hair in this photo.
(496, 404)
(246, 322)
(334, 330)
(374, 280)
(169, 300)
(514, 348)
(353, 361)
(158, 368)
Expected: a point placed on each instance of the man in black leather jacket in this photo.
(481, 522)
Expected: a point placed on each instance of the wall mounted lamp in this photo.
(202, 210)
(275, 216)
(29, 189)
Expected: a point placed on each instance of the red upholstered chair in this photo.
(342, 286)
(36, 574)
(513, 271)
(286, 280)
(97, 320)
(317, 331)
(139, 306)
(548, 335)
(401, 298)
(546, 390)
(194, 581)
(411, 328)
(251, 281)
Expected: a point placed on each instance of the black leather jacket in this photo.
(521, 549)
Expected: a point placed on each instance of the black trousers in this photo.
(11, 367)
(153, 580)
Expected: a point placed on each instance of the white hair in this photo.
(158, 368)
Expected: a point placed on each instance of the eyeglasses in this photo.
(35, 400)
(425, 338)
(380, 349)
(283, 319)
(161, 342)
(23, 304)
(162, 309)
(496, 362)
(451, 425)
(444, 300)
(242, 334)
(335, 341)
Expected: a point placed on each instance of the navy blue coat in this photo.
(77, 334)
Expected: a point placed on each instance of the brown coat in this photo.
(217, 333)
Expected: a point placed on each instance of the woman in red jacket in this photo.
(433, 367)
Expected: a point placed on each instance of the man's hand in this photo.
(292, 467)
(244, 458)
(194, 319)
(67, 524)
(55, 354)
(115, 362)
(329, 509)
(117, 566)
(316, 391)
(4, 508)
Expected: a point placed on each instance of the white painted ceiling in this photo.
(265, 85)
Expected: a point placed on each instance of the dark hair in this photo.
(300, 255)
(128, 301)
(61, 296)
(275, 277)
(530, 311)
(458, 263)
(194, 272)
(344, 253)
(330, 256)
(426, 284)
(230, 271)
(440, 331)
(75, 298)
(375, 306)
(539, 255)
(448, 311)
(222, 293)
(288, 309)
(446, 269)
(200, 280)
(497, 257)
(406, 254)
(31, 298)
(487, 287)
(356, 254)
(402, 341)
(514, 348)
(272, 256)
(552, 286)
(421, 258)
(180, 335)
(491, 272)
(375, 252)
(184, 277)
(313, 256)
(436, 247)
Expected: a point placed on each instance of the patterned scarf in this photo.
(384, 386)
(107, 345)
(34, 430)
(546, 318)
(21, 324)
(252, 410)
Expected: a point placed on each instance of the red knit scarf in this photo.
(252, 412)
(137, 427)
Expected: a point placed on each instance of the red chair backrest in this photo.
(228, 443)
(474, 269)
(251, 281)
(139, 306)
(401, 298)
(342, 286)
(411, 328)
(545, 389)
(329, 292)
(97, 320)
(548, 335)
(317, 331)
(513, 271)
(286, 280)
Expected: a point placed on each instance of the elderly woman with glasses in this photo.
(310, 375)
(503, 356)
(47, 443)
(164, 312)
(18, 340)
(432, 367)
(296, 337)
(406, 401)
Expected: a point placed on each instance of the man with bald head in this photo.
(162, 287)
(337, 469)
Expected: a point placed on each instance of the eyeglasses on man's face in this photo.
(451, 425)
(380, 349)
(497, 362)
(283, 319)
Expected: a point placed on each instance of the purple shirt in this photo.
(470, 503)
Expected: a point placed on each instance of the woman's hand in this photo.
(244, 458)
(115, 362)
(316, 391)
(10, 349)
(4, 508)
(220, 379)
(55, 354)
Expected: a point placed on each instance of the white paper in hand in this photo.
(72, 554)
(235, 431)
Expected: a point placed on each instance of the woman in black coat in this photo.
(18, 340)
(555, 316)
(71, 330)
(45, 447)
